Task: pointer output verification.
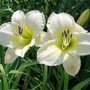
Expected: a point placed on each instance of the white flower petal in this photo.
(10, 56)
(79, 29)
(47, 37)
(83, 45)
(17, 20)
(20, 51)
(60, 22)
(18, 17)
(40, 39)
(6, 34)
(36, 21)
(50, 55)
(72, 65)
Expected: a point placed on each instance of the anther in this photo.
(71, 36)
(20, 30)
(68, 31)
(65, 34)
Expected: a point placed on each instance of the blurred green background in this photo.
(26, 73)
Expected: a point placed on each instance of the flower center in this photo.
(66, 37)
(23, 35)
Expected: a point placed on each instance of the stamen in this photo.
(71, 36)
(68, 40)
(63, 47)
(65, 34)
(20, 30)
(68, 31)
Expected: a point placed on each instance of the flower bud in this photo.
(84, 17)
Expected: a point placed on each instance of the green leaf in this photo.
(5, 83)
(81, 84)
(21, 69)
(15, 72)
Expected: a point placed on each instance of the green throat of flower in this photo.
(23, 35)
(66, 39)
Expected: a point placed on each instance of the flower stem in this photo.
(66, 78)
(45, 77)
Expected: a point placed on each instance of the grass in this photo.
(26, 73)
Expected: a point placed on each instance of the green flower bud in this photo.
(84, 17)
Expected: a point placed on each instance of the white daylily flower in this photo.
(21, 33)
(68, 42)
